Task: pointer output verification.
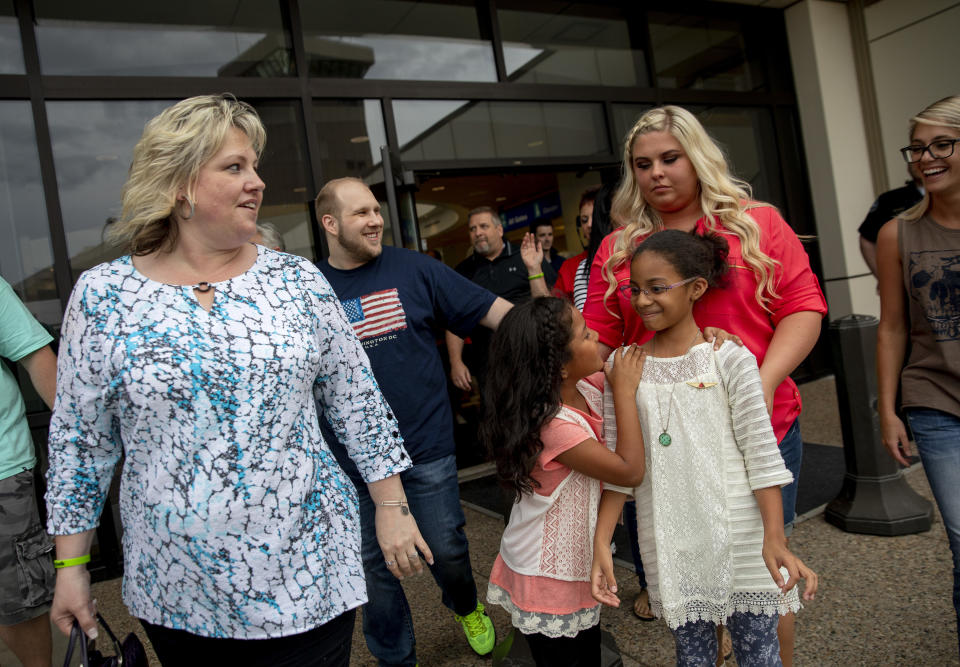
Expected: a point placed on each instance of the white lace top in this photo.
(700, 529)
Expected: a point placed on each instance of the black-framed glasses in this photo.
(631, 291)
(940, 148)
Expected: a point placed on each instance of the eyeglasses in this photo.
(582, 220)
(940, 148)
(632, 291)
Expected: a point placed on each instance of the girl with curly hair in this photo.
(544, 430)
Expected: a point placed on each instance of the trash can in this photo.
(875, 498)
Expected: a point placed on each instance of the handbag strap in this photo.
(76, 635)
(117, 647)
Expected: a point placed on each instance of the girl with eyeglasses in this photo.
(918, 257)
(709, 512)
(676, 177)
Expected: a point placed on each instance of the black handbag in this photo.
(128, 653)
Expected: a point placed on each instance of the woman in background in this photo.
(676, 177)
(917, 256)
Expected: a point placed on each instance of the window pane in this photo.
(396, 39)
(26, 258)
(577, 43)
(350, 133)
(624, 116)
(457, 130)
(174, 38)
(703, 52)
(283, 167)
(745, 135)
(92, 148)
(747, 139)
(11, 53)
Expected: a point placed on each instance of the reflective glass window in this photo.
(173, 38)
(92, 148)
(396, 39)
(26, 258)
(458, 130)
(745, 135)
(576, 43)
(693, 51)
(11, 53)
(350, 134)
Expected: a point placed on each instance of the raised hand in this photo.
(531, 253)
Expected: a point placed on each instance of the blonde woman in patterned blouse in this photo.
(202, 358)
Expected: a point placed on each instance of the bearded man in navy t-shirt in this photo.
(397, 300)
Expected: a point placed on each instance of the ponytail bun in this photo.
(691, 254)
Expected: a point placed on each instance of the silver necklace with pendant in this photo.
(665, 438)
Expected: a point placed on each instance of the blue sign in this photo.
(547, 206)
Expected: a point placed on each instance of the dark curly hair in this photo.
(522, 388)
(690, 253)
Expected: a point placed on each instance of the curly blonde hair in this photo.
(724, 199)
(174, 146)
(943, 113)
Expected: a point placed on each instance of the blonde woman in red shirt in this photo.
(676, 177)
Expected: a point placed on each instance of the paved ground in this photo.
(883, 601)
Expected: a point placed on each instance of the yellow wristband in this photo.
(68, 562)
(535, 276)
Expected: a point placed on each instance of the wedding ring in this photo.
(389, 563)
(413, 556)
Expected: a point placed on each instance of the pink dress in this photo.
(549, 540)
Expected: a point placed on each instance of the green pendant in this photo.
(665, 439)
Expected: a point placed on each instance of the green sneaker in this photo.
(479, 630)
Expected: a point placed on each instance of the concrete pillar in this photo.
(835, 144)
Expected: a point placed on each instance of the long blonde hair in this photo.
(174, 146)
(945, 113)
(724, 199)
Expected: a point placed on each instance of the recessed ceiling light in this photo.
(359, 140)
(300, 189)
(439, 188)
(518, 161)
(534, 144)
(501, 199)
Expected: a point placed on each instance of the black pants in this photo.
(580, 651)
(327, 645)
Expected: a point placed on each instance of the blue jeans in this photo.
(937, 435)
(791, 449)
(434, 498)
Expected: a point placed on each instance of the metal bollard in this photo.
(875, 498)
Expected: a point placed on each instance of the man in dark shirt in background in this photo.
(512, 273)
(887, 206)
(397, 300)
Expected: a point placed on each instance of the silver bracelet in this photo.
(402, 504)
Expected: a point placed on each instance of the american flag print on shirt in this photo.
(376, 313)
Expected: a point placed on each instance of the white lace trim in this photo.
(550, 625)
(765, 604)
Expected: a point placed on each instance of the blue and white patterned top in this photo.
(238, 522)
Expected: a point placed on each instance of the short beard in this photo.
(358, 250)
